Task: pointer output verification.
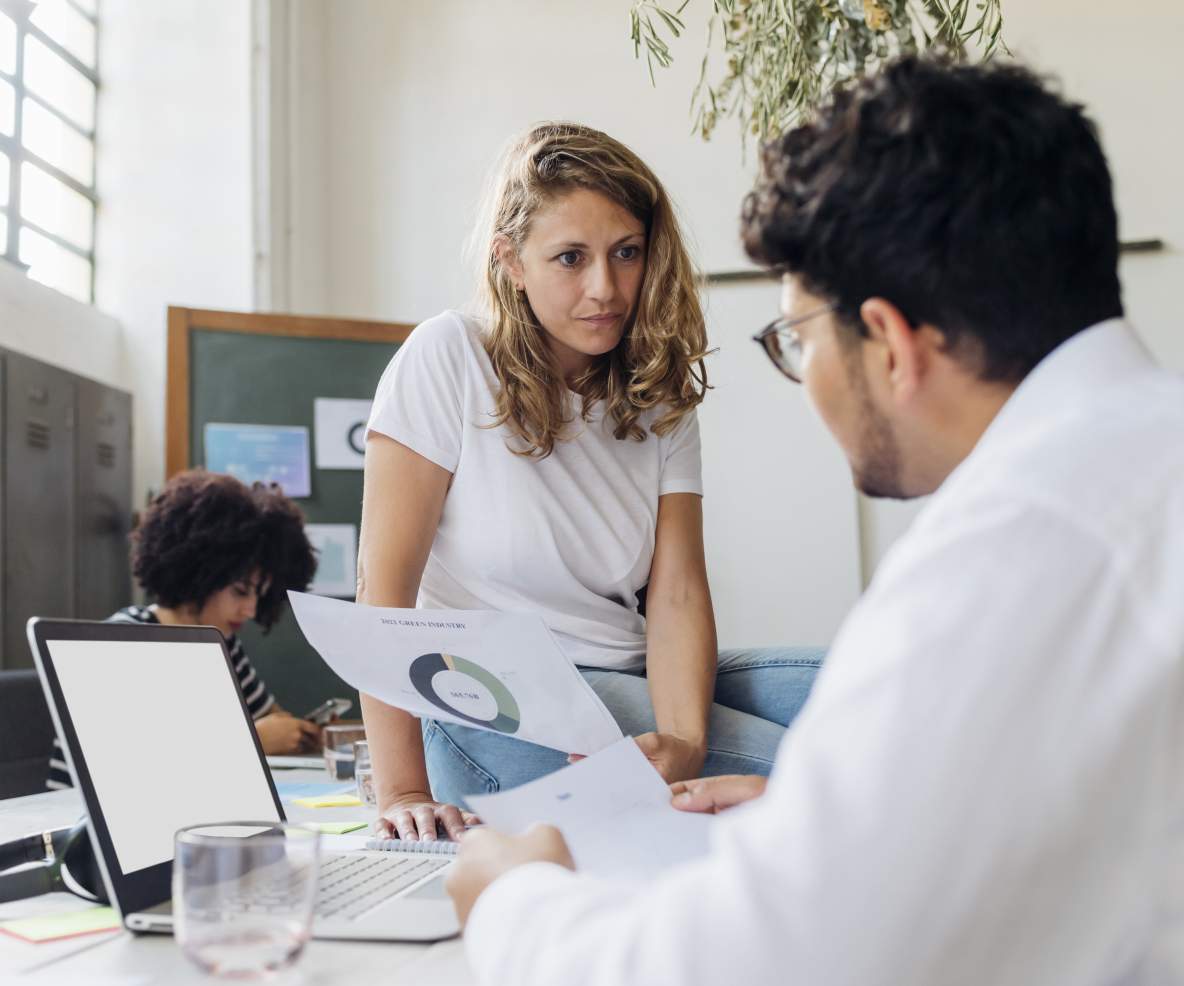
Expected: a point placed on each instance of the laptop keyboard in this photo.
(350, 886)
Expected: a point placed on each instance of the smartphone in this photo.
(330, 709)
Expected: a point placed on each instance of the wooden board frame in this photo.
(182, 322)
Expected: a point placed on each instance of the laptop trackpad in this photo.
(432, 890)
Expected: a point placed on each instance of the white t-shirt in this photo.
(571, 536)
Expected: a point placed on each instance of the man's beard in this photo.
(876, 468)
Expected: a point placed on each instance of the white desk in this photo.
(109, 958)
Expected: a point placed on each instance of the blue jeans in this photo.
(757, 695)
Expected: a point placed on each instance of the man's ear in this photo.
(508, 257)
(898, 350)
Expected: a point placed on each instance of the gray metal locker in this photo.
(104, 477)
(39, 520)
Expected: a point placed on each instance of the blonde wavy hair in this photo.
(659, 360)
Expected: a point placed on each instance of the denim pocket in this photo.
(451, 772)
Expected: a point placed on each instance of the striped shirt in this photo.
(259, 700)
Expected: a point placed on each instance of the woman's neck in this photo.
(586, 378)
(174, 615)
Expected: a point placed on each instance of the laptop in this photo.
(157, 736)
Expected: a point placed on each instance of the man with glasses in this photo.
(987, 783)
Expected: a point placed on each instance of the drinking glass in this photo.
(364, 773)
(243, 895)
(339, 739)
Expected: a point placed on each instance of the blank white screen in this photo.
(165, 738)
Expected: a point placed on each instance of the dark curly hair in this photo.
(205, 531)
(972, 197)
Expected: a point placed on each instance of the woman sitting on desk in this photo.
(211, 551)
(545, 457)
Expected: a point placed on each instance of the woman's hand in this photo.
(281, 733)
(675, 758)
(413, 816)
(712, 795)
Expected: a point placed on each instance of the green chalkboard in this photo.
(259, 376)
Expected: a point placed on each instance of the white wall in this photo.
(779, 510)
(49, 326)
(1123, 62)
(174, 181)
(301, 191)
(414, 106)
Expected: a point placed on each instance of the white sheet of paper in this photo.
(502, 672)
(613, 809)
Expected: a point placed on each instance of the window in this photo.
(48, 84)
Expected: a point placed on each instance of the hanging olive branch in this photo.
(781, 57)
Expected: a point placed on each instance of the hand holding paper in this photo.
(613, 809)
(501, 672)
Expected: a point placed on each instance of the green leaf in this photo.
(672, 22)
(785, 56)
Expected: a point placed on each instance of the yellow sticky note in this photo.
(338, 828)
(50, 927)
(332, 801)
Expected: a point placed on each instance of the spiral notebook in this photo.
(439, 847)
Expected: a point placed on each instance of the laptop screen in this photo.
(166, 741)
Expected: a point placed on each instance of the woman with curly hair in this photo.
(212, 551)
(544, 455)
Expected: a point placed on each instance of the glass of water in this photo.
(339, 739)
(243, 895)
(364, 773)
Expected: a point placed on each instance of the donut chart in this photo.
(465, 690)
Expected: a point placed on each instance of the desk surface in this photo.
(120, 957)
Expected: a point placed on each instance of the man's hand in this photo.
(485, 855)
(715, 794)
(280, 733)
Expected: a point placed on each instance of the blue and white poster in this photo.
(261, 453)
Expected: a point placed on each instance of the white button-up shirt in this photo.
(987, 785)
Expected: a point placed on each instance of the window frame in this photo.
(17, 154)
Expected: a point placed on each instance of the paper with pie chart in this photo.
(501, 672)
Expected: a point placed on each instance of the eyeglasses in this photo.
(783, 345)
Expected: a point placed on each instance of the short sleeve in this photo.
(419, 400)
(682, 461)
(256, 694)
